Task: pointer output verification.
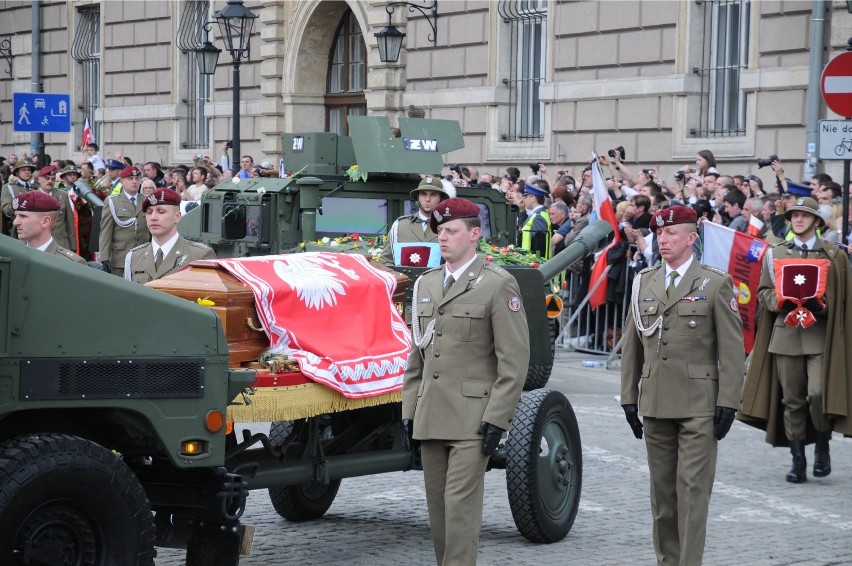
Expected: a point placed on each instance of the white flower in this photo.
(334, 244)
(415, 258)
(326, 240)
(799, 279)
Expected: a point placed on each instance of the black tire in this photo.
(544, 467)
(303, 502)
(538, 375)
(65, 500)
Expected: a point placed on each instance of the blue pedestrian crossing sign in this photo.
(41, 112)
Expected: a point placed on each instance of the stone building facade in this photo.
(529, 80)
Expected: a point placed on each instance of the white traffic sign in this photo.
(835, 140)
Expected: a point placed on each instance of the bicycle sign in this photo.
(835, 140)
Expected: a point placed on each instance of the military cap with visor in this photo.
(534, 190)
(452, 209)
(23, 164)
(69, 169)
(797, 189)
(34, 201)
(113, 164)
(161, 196)
(437, 184)
(805, 204)
(673, 215)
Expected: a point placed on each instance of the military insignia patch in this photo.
(15, 203)
(660, 221)
(152, 199)
(514, 303)
(734, 306)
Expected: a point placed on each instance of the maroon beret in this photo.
(35, 201)
(130, 171)
(46, 170)
(452, 209)
(676, 214)
(161, 196)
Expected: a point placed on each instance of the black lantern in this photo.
(208, 58)
(235, 23)
(390, 38)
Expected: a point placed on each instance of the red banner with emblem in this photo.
(334, 315)
(797, 280)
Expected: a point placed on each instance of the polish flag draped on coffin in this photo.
(741, 255)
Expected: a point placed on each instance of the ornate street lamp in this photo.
(207, 54)
(235, 23)
(390, 38)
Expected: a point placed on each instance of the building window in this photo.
(86, 51)
(724, 53)
(527, 40)
(194, 87)
(347, 76)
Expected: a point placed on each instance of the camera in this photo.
(761, 163)
(229, 144)
(620, 150)
(535, 167)
(648, 171)
(455, 167)
(559, 173)
(679, 175)
(198, 157)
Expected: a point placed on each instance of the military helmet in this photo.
(437, 184)
(805, 204)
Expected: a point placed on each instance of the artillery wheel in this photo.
(302, 502)
(539, 374)
(544, 468)
(66, 500)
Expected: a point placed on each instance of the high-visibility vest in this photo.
(526, 232)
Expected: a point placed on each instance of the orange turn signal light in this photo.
(191, 447)
(214, 421)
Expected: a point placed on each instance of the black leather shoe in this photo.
(797, 473)
(822, 459)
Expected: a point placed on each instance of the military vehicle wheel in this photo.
(66, 500)
(539, 374)
(303, 502)
(544, 468)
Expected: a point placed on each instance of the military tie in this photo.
(670, 290)
(805, 251)
(158, 259)
(133, 201)
(448, 283)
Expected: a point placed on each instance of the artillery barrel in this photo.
(586, 242)
(87, 194)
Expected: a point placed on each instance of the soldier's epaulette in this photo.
(715, 269)
(497, 269)
(198, 245)
(140, 246)
(650, 269)
(440, 267)
(67, 253)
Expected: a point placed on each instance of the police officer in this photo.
(122, 223)
(35, 213)
(414, 228)
(684, 343)
(808, 360)
(23, 170)
(536, 229)
(464, 377)
(167, 251)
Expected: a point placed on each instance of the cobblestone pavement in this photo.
(756, 518)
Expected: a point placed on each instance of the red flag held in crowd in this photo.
(88, 136)
(605, 212)
(741, 255)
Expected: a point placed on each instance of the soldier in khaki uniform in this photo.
(682, 370)
(35, 213)
(122, 223)
(464, 377)
(810, 364)
(64, 225)
(415, 227)
(167, 251)
(23, 170)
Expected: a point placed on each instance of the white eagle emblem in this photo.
(152, 199)
(15, 203)
(660, 220)
(314, 285)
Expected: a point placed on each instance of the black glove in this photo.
(788, 306)
(492, 436)
(106, 266)
(407, 434)
(632, 414)
(723, 420)
(816, 306)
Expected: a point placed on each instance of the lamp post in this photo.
(207, 54)
(235, 23)
(390, 38)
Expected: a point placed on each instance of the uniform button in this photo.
(665, 342)
(665, 328)
(437, 354)
(440, 311)
(466, 312)
(439, 333)
(665, 357)
(435, 375)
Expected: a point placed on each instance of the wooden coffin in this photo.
(234, 303)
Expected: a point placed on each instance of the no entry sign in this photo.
(836, 84)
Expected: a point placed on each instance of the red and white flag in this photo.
(741, 255)
(605, 212)
(88, 135)
(755, 225)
